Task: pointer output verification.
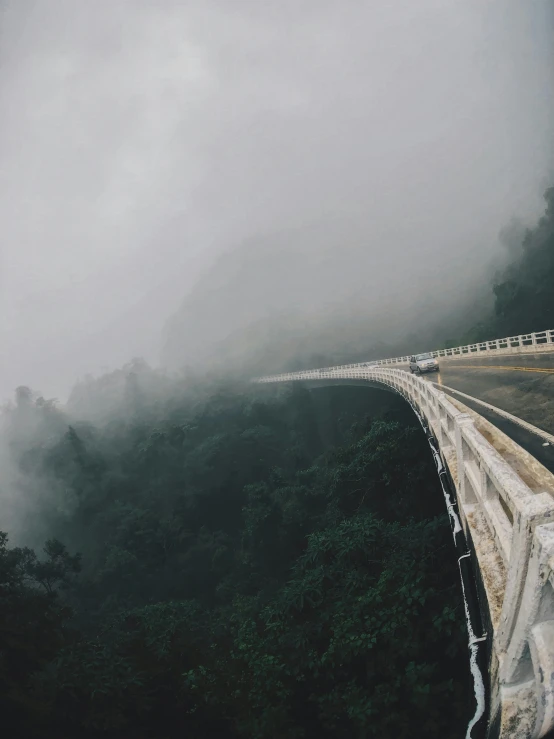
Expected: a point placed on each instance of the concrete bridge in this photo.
(496, 469)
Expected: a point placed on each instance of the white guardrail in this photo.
(538, 339)
(515, 547)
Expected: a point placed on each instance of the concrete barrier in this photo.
(511, 530)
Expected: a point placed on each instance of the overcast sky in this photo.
(139, 139)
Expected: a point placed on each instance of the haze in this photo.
(141, 140)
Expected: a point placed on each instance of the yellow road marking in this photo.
(547, 371)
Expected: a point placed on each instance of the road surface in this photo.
(521, 384)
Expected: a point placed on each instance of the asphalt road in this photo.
(522, 385)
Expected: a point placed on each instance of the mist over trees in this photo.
(253, 566)
(282, 300)
(260, 308)
(235, 560)
(232, 535)
(524, 298)
(237, 187)
(523, 290)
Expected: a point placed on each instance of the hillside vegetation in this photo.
(260, 564)
(237, 561)
(524, 290)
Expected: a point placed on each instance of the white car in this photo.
(421, 363)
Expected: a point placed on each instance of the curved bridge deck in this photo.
(505, 500)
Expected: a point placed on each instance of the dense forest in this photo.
(234, 560)
(523, 291)
(253, 565)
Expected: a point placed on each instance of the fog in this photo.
(385, 143)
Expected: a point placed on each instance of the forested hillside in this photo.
(234, 560)
(524, 291)
(253, 563)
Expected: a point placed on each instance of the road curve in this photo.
(522, 385)
(504, 384)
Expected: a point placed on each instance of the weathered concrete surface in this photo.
(531, 471)
(521, 610)
(518, 716)
(491, 564)
(538, 442)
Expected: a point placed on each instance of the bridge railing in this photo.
(484, 478)
(534, 339)
(488, 490)
(539, 338)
